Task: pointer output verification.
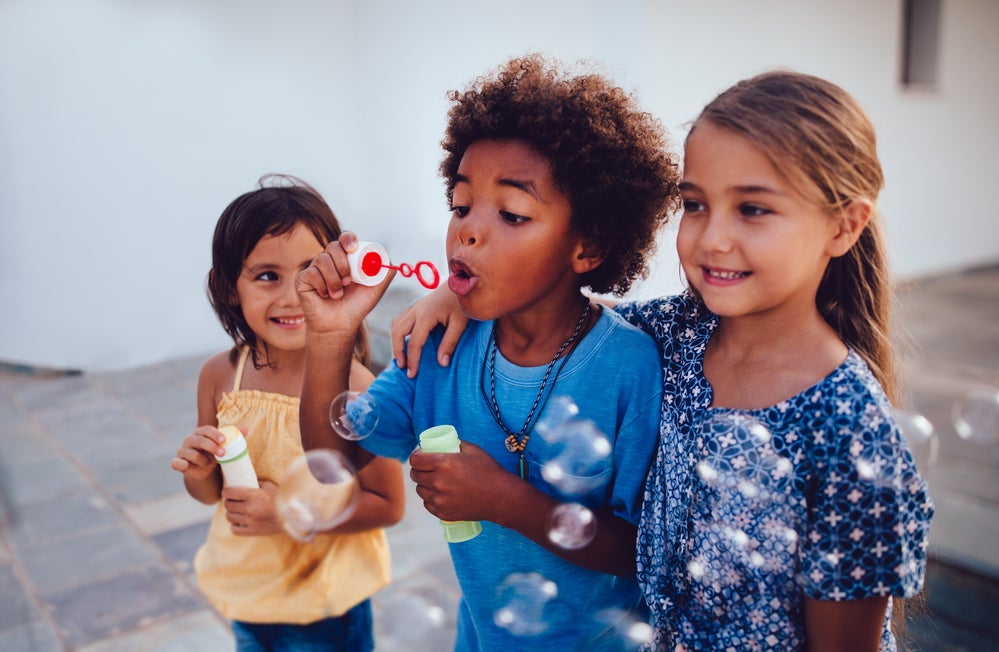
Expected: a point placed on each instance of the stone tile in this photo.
(141, 481)
(18, 606)
(73, 561)
(180, 544)
(23, 441)
(964, 533)
(51, 520)
(168, 513)
(119, 604)
(37, 393)
(36, 636)
(113, 442)
(201, 630)
(414, 615)
(40, 479)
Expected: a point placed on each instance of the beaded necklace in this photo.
(517, 442)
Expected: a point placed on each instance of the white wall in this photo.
(126, 127)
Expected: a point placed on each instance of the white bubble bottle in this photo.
(369, 263)
(237, 467)
(444, 439)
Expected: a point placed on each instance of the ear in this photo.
(851, 222)
(586, 257)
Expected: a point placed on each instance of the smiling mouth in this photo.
(289, 321)
(725, 275)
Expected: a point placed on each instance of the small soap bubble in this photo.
(578, 458)
(409, 619)
(354, 415)
(318, 492)
(558, 410)
(572, 526)
(524, 604)
(625, 629)
(921, 436)
(976, 416)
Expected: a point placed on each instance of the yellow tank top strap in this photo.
(244, 353)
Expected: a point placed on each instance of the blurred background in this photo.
(126, 127)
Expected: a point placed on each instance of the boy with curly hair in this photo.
(556, 183)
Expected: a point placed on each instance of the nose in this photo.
(288, 296)
(468, 229)
(716, 233)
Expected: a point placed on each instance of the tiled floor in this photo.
(97, 533)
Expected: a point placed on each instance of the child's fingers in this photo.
(327, 275)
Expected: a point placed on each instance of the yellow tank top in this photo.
(274, 578)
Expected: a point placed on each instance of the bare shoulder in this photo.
(217, 374)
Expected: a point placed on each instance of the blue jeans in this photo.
(350, 632)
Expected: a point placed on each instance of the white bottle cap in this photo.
(368, 263)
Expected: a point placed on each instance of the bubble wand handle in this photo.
(444, 439)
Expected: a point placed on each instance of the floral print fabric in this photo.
(748, 512)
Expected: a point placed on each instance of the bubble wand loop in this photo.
(369, 265)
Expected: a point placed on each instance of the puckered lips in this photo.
(462, 279)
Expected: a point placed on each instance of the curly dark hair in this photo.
(611, 160)
(278, 205)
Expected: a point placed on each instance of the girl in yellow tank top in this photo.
(278, 592)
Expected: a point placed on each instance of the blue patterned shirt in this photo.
(748, 512)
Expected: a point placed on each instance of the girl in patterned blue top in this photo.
(783, 510)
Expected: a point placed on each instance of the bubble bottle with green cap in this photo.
(444, 439)
(237, 467)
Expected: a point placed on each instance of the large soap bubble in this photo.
(572, 526)
(577, 458)
(319, 491)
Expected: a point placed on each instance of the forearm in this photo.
(327, 373)
(528, 511)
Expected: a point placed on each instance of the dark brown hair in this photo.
(809, 127)
(609, 158)
(278, 205)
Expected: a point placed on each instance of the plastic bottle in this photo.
(444, 439)
(237, 467)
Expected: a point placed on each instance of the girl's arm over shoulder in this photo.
(440, 307)
(846, 626)
(196, 456)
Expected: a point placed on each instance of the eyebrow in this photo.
(745, 190)
(523, 185)
(265, 266)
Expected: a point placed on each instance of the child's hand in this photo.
(196, 456)
(416, 322)
(459, 487)
(331, 302)
(252, 511)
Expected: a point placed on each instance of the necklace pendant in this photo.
(511, 444)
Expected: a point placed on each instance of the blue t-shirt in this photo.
(613, 376)
(749, 512)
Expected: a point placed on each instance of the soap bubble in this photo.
(921, 437)
(354, 415)
(572, 526)
(526, 605)
(578, 458)
(558, 410)
(976, 416)
(739, 459)
(319, 491)
(409, 618)
(625, 629)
